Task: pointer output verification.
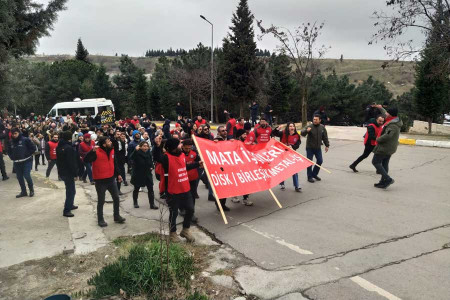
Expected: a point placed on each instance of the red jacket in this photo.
(200, 123)
(191, 158)
(85, 148)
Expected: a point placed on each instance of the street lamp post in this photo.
(212, 67)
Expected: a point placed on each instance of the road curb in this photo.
(425, 143)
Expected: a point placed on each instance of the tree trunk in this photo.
(216, 112)
(190, 104)
(304, 108)
(430, 123)
(241, 109)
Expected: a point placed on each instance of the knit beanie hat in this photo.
(66, 135)
(87, 136)
(239, 132)
(172, 144)
(135, 131)
(393, 111)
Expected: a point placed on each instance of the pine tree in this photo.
(140, 93)
(240, 64)
(279, 83)
(432, 81)
(81, 53)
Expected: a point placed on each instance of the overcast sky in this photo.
(133, 26)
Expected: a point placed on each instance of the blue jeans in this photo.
(23, 172)
(69, 182)
(310, 153)
(294, 180)
(87, 171)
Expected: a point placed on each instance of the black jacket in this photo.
(66, 159)
(316, 136)
(143, 165)
(21, 148)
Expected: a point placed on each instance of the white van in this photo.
(85, 107)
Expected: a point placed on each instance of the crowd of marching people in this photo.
(133, 151)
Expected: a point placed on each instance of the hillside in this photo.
(398, 77)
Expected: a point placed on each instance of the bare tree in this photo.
(300, 45)
(426, 16)
(196, 83)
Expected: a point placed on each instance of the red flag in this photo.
(239, 169)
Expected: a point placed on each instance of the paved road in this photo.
(344, 239)
(339, 239)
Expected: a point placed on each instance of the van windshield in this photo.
(104, 108)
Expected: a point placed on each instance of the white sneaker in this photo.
(282, 187)
(247, 202)
(235, 200)
(141, 189)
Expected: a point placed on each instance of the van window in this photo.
(52, 113)
(84, 111)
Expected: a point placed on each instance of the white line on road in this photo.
(373, 288)
(279, 241)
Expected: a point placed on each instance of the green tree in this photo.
(140, 93)
(432, 89)
(240, 67)
(81, 53)
(279, 84)
(23, 23)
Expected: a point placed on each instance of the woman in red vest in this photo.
(105, 171)
(290, 138)
(370, 139)
(178, 188)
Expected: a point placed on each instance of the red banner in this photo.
(238, 169)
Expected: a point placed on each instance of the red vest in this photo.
(178, 182)
(377, 134)
(203, 121)
(103, 166)
(263, 134)
(190, 158)
(52, 146)
(1, 147)
(290, 140)
(250, 138)
(233, 124)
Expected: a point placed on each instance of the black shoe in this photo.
(163, 196)
(378, 172)
(136, 205)
(22, 195)
(353, 168)
(317, 178)
(121, 194)
(182, 212)
(84, 181)
(35, 169)
(197, 196)
(74, 207)
(211, 198)
(31, 193)
(102, 223)
(5, 178)
(125, 183)
(298, 190)
(119, 219)
(92, 183)
(154, 207)
(68, 214)
(194, 219)
(310, 180)
(225, 208)
(388, 183)
(379, 184)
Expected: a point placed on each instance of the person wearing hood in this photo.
(166, 129)
(105, 171)
(370, 139)
(142, 173)
(387, 144)
(20, 151)
(67, 165)
(136, 135)
(178, 189)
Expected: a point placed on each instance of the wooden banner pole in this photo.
(309, 160)
(210, 181)
(275, 198)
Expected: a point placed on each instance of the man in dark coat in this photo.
(20, 151)
(254, 112)
(67, 163)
